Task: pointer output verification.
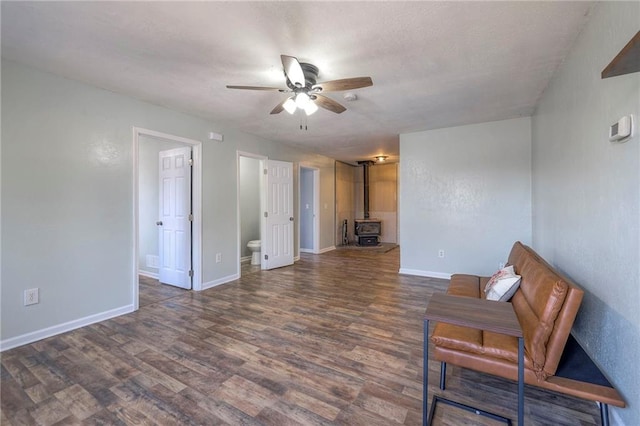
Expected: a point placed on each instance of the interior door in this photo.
(175, 217)
(278, 247)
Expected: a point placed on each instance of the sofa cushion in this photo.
(464, 285)
(502, 346)
(456, 337)
(537, 304)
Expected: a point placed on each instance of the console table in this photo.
(482, 314)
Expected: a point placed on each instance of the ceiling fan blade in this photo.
(253, 88)
(279, 108)
(293, 70)
(344, 84)
(330, 104)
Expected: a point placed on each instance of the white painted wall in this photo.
(67, 198)
(148, 185)
(586, 195)
(249, 202)
(383, 199)
(465, 190)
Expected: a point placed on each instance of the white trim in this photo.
(245, 259)
(220, 281)
(296, 258)
(304, 250)
(420, 273)
(326, 249)
(148, 274)
(34, 336)
(196, 205)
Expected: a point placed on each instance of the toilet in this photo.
(254, 246)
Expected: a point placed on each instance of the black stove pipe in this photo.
(365, 171)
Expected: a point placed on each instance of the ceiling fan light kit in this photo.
(381, 158)
(300, 78)
(290, 105)
(310, 108)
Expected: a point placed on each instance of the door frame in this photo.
(263, 205)
(196, 201)
(316, 208)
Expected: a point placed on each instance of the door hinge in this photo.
(266, 257)
(265, 171)
(191, 272)
(266, 214)
(190, 217)
(191, 161)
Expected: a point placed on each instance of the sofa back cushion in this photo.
(564, 321)
(537, 303)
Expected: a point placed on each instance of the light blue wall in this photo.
(67, 197)
(586, 194)
(249, 202)
(465, 190)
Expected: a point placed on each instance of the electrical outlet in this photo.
(218, 257)
(441, 253)
(31, 297)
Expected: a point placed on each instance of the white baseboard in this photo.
(296, 258)
(34, 336)
(326, 249)
(421, 273)
(220, 281)
(148, 274)
(245, 259)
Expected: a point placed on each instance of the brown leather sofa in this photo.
(546, 305)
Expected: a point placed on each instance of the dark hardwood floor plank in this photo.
(335, 339)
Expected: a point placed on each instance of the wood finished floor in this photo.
(335, 339)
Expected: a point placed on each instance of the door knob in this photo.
(159, 223)
(291, 218)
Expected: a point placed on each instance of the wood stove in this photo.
(368, 231)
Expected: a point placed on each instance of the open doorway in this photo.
(309, 210)
(181, 247)
(274, 192)
(251, 201)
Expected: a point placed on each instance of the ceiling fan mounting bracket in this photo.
(310, 72)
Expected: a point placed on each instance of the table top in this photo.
(482, 314)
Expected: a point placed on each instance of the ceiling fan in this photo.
(300, 78)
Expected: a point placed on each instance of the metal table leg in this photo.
(425, 374)
(520, 381)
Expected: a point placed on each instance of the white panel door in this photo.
(174, 222)
(278, 244)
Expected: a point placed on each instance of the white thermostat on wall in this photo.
(622, 129)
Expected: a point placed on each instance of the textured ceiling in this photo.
(433, 64)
